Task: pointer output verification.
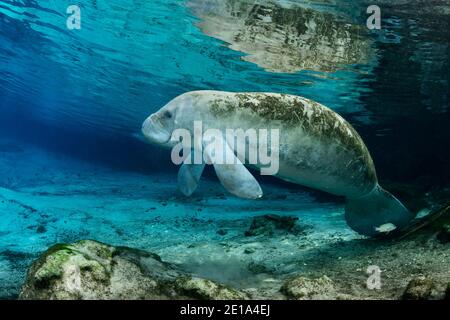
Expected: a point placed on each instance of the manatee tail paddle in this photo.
(377, 213)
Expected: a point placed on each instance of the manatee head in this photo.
(158, 128)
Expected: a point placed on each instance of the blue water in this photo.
(72, 103)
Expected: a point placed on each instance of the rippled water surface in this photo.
(131, 57)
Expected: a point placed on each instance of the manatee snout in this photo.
(154, 131)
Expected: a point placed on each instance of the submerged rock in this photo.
(444, 235)
(303, 288)
(270, 224)
(41, 229)
(92, 270)
(197, 288)
(257, 268)
(419, 288)
(222, 232)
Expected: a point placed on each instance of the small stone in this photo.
(203, 289)
(41, 229)
(419, 288)
(270, 224)
(257, 268)
(222, 232)
(302, 288)
(249, 251)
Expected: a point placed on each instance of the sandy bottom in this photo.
(48, 198)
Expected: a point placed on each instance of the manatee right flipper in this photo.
(377, 213)
(188, 177)
(235, 177)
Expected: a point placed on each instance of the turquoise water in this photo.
(72, 103)
(129, 59)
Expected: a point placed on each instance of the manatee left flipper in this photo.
(235, 177)
(238, 181)
(188, 177)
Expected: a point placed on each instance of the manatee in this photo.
(318, 149)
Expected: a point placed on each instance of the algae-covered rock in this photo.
(93, 270)
(419, 288)
(207, 290)
(303, 288)
(271, 224)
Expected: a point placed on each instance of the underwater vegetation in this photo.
(85, 203)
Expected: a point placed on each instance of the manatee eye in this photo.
(168, 114)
